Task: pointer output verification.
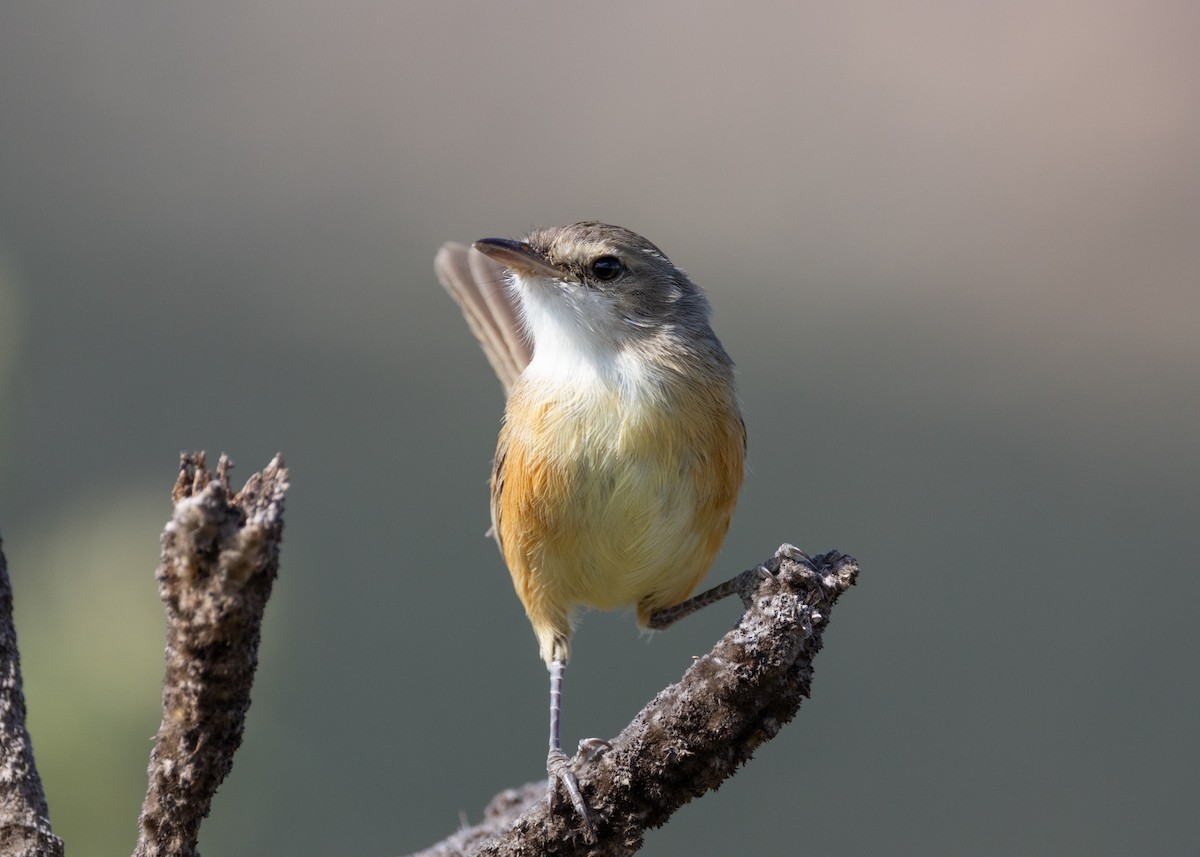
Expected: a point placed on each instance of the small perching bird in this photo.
(622, 449)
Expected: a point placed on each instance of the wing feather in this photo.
(480, 288)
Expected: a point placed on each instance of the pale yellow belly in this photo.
(606, 506)
(628, 531)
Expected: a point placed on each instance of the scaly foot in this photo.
(560, 769)
(746, 582)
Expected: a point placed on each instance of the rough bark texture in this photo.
(24, 818)
(220, 556)
(690, 737)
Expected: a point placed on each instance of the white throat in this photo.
(575, 337)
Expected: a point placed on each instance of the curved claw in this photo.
(790, 551)
(558, 770)
(747, 581)
(591, 749)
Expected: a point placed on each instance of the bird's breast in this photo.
(605, 497)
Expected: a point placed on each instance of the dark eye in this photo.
(607, 268)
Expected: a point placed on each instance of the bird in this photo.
(621, 452)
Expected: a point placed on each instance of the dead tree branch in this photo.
(693, 735)
(24, 818)
(220, 556)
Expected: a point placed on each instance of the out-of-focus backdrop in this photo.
(953, 248)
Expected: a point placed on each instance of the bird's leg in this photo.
(558, 764)
(741, 585)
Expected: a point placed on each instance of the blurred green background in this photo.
(954, 249)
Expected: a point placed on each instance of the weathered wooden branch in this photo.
(24, 818)
(220, 556)
(693, 735)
